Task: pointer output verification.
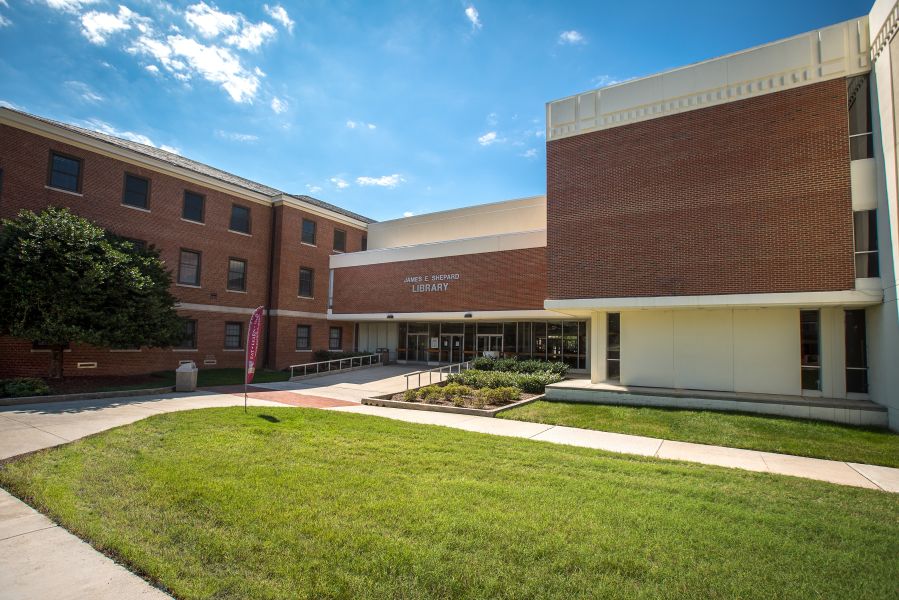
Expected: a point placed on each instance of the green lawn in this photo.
(818, 439)
(215, 377)
(302, 503)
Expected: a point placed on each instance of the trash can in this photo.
(385, 355)
(186, 377)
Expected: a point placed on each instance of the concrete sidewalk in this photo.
(832, 471)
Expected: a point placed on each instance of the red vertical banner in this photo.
(253, 343)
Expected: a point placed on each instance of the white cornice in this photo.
(298, 203)
(476, 315)
(833, 52)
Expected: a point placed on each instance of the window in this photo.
(233, 336)
(866, 263)
(65, 172)
(861, 138)
(237, 275)
(240, 219)
(308, 236)
(307, 281)
(189, 268)
(189, 341)
(339, 240)
(810, 343)
(137, 192)
(364, 243)
(856, 352)
(335, 338)
(304, 337)
(193, 207)
(139, 245)
(613, 346)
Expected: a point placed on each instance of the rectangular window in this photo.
(307, 282)
(65, 172)
(308, 235)
(364, 243)
(190, 335)
(339, 240)
(233, 336)
(856, 352)
(866, 257)
(240, 219)
(613, 346)
(335, 338)
(304, 337)
(193, 207)
(810, 344)
(139, 245)
(237, 275)
(137, 192)
(189, 268)
(861, 138)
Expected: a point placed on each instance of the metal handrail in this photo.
(459, 367)
(372, 359)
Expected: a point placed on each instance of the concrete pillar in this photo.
(598, 324)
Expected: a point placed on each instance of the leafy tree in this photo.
(64, 279)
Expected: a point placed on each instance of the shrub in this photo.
(410, 395)
(483, 363)
(431, 394)
(23, 386)
(451, 390)
(500, 395)
(533, 383)
(512, 365)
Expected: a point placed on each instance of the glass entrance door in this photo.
(490, 345)
(417, 343)
(451, 348)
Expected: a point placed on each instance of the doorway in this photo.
(451, 348)
(490, 345)
(418, 347)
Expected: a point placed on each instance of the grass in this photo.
(299, 503)
(208, 378)
(818, 439)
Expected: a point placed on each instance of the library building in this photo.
(720, 235)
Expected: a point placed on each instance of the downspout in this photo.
(268, 301)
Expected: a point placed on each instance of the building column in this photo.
(598, 337)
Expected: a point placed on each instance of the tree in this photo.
(64, 279)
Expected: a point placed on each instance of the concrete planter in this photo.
(459, 410)
(82, 396)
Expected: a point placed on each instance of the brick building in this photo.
(722, 232)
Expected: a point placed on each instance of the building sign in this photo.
(438, 282)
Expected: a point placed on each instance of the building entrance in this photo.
(418, 347)
(451, 348)
(490, 345)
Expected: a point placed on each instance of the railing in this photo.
(363, 361)
(440, 371)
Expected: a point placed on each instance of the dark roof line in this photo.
(192, 165)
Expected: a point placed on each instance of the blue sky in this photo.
(384, 108)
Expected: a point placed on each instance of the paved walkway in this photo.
(842, 473)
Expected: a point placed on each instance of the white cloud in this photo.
(571, 37)
(98, 26)
(84, 91)
(279, 106)
(4, 4)
(339, 183)
(408, 214)
(313, 189)
(252, 36)
(530, 153)
(488, 138)
(153, 69)
(185, 56)
(604, 80)
(4, 22)
(209, 21)
(104, 127)
(8, 104)
(171, 149)
(280, 15)
(70, 6)
(389, 181)
(236, 137)
(472, 14)
(360, 125)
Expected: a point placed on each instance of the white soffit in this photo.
(837, 51)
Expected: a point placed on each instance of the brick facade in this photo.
(24, 158)
(752, 196)
(508, 280)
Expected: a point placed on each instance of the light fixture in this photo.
(389, 316)
(467, 315)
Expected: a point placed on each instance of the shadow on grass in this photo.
(269, 418)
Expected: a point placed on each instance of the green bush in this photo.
(323, 355)
(451, 390)
(410, 395)
(512, 365)
(500, 395)
(483, 363)
(533, 383)
(23, 386)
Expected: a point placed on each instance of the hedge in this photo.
(512, 365)
(533, 383)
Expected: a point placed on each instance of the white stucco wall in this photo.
(378, 335)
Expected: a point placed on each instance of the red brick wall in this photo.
(747, 197)
(284, 332)
(508, 280)
(24, 158)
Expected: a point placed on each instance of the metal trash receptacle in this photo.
(186, 377)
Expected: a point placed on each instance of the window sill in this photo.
(237, 291)
(306, 297)
(304, 350)
(48, 350)
(70, 192)
(189, 285)
(124, 350)
(232, 349)
(240, 233)
(192, 221)
(308, 244)
(184, 349)
(146, 210)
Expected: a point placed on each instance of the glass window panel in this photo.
(240, 219)
(335, 338)
(237, 275)
(811, 378)
(339, 240)
(307, 282)
(189, 268)
(190, 334)
(137, 192)
(233, 335)
(810, 348)
(857, 381)
(64, 172)
(540, 340)
(865, 230)
(856, 339)
(192, 210)
(510, 339)
(308, 234)
(867, 264)
(304, 337)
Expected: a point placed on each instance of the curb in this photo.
(82, 396)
